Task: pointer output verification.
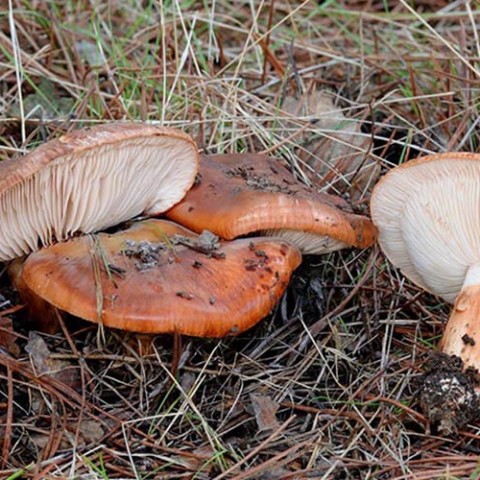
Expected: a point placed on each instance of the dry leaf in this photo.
(7, 337)
(265, 409)
(91, 431)
(337, 151)
(46, 103)
(39, 352)
(41, 439)
(44, 364)
(198, 461)
(90, 53)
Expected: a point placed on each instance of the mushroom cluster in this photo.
(157, 276)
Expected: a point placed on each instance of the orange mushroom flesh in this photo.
(44, 316)
(158, 277)
(241, 194)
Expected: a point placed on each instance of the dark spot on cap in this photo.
(184, 295)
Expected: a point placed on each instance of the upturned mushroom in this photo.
(158, 277)
(427, 212)
(89, 180)
(241, 194)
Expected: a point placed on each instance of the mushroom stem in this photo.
(462, 332)
(40, 313)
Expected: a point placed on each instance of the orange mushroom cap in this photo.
(158, 277)
(89, 180)
(239, 194)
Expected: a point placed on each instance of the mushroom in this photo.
(158, 277)
(427, 212)
(89, 180)
(240, 194)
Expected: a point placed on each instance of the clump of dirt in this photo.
(207, 243)
(260, 262)
(259, 182)
(147, 253)
(447, 393)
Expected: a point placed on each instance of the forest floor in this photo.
(327, 386)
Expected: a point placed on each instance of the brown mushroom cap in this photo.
(91, 179)
(147, 279)
(239, 194)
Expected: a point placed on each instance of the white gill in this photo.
(94, 190)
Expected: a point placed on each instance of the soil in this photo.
(259, 182)
(448, 395)
(150, 254)
(147, 253)
(207, 243)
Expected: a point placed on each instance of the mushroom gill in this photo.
(89, 180)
